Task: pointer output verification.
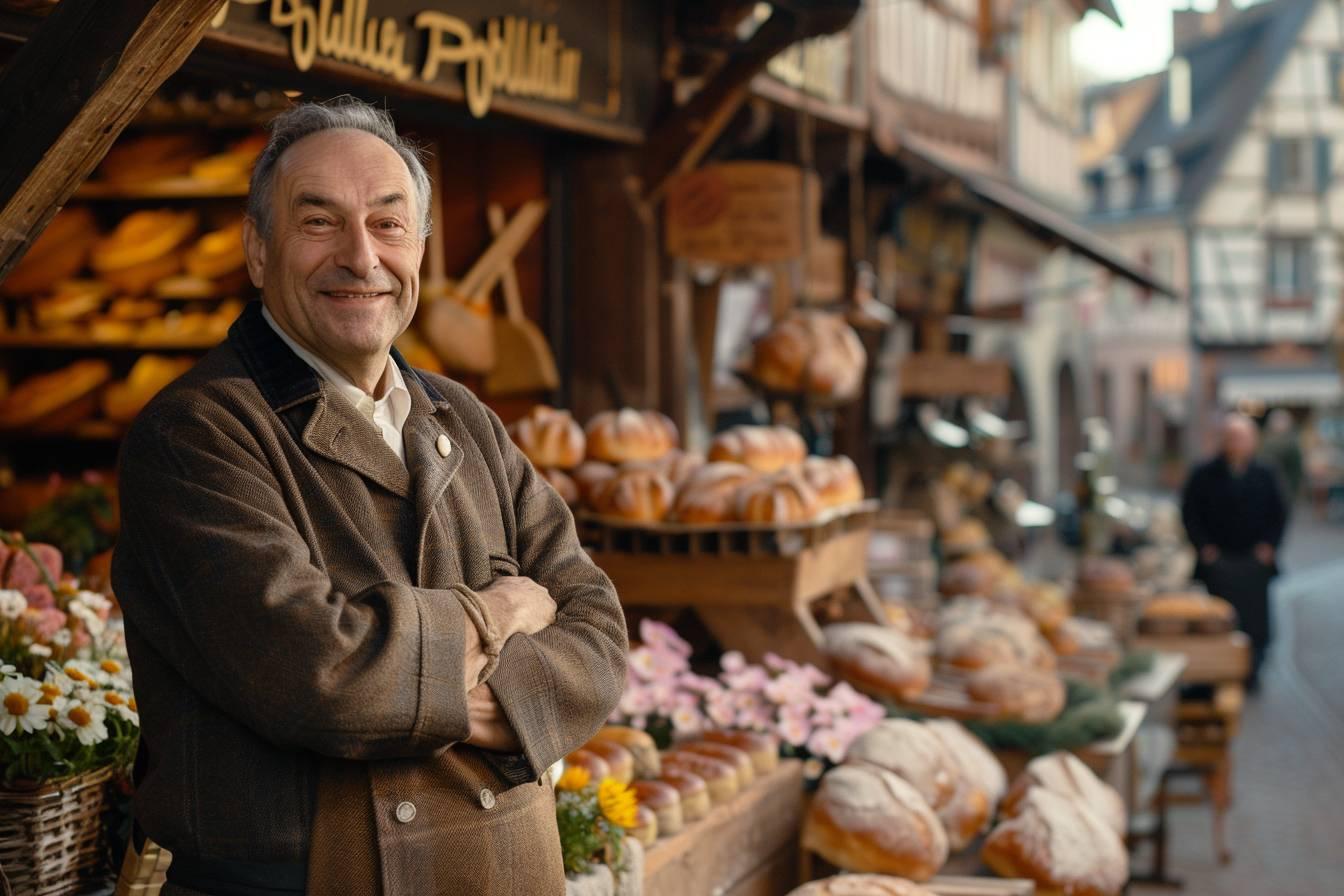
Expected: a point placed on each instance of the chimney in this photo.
(1191, 24)
(1178, 91)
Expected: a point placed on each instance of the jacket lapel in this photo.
(430, 469)
(338, 432)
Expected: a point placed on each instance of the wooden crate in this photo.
(745, 848)
(753, 586)
(1210, 658)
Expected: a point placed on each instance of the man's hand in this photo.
(1208, 553)
(518, 605)
(490, 728)
(1265, 553)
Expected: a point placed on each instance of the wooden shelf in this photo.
(168, 188)
(37, 342)
(88, 431)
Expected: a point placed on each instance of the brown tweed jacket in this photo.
(291, 593)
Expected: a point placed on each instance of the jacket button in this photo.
(443, 445)
(405, 812)
(487, 799)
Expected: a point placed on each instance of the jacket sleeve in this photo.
(213, 572)
(557, 687)
(1275, 519)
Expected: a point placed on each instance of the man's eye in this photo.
(389, 224)
(317, 222)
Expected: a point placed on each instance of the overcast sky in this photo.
(1107, 53)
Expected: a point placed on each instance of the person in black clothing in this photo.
(1235, 513)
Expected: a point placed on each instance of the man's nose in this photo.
(356, 252)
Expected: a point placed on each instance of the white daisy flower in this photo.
(87, 720)
(39, 650)
(61, 638)
(7, 671)
(12, 603)
(19, 707)
(84, 672)
(93, 600)
(119, 704)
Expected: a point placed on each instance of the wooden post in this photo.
(69, 92)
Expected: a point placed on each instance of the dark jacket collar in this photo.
(285, 379)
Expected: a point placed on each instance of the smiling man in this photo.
(362, 625)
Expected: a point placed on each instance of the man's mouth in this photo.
(354, 294)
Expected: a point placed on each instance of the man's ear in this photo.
(254, 250)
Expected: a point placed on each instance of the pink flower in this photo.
(828, 743)
(666, 664)
(43, 624)
(794, 731)
(688, 720)
(642, 664)
(776, 663)
(636, 701)
(39, 597)
(733, 661)
(757, 719)
(720, 709)
(791, 687)
(660, 634)
(814, 676)
(751, 679)
(799, 710)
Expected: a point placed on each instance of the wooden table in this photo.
(748, 847)
(1159, 682)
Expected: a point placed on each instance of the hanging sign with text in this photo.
(737, 213)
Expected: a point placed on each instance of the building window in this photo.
(1335, 66)
(1298, 164)
(1291, 271)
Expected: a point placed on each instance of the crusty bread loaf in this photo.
(1046, 603)
(641, 746)
(1017, 692)
(878, 659)
(993, 638)
(694, 792)
(665, 803)
(762, 748)
(143, 237)
(709, 494)
(71, 300)
(589, 476)
(150, 157)
(1190, 606)
(679, 466)
(810, 351)
(56, 255)
(33, 401)
(123, 400)
(746, 773)
(973, 759)
(562, 483)
(628, 434)
(549, 437)
(1067, 775)
(640, 495)
(965, 815)
(781, 497)
(861, 885)
(594, 764)
(865, 819)
(216, 253)
(966, 579)
(911, 752)
(1060, 845)
(646, 826)
(835, 480)
(1105, 575)
(620, 761)
(720, 777)
(965, 536)
(766, 449)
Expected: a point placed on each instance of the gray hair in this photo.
(306, 119)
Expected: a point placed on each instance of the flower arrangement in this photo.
(66, 702)
(593, 818)
(814, 718)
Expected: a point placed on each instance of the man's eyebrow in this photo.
(389, 199)
(312, 199)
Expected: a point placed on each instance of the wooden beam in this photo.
(70, 91)
(681, 140)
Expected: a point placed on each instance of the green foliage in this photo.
(1090, 714)
(1135, 663)
(78, 522)
(586, 836)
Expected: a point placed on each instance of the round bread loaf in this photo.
(835, 480)
(966, 536)
(973, 759)
(877, 659)
(1060, 845)
(36, 399)
(595, 765)
(619, 760)
(861, 885)
(549, 437)
(695, 803)
(709, 494)
(639, 495)
(810, 351)
(962, 579)
(646, 826)
(762, 748)
(965, 815)
(56, 255)
(1047, 605)
(1194, 606)
(1067, 775)
(1105, 574)
(562, 483)
(741, 761)
(911, 752)
(720, 777)
(993, 638)
(217, 253)
(782, 497)
(589, 476)
(665, 803)
(679, 466)
(1016, 692)
(765, 449)
(642, 749)
(865, 819)
(628, 434)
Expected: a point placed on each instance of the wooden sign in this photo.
(737, 213)
(824, 270)
(592, 60)
(942, 375)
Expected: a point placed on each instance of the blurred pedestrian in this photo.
(1283, 451)
(1235, 514)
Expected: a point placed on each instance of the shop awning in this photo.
(1293, 388)
(1034, 216)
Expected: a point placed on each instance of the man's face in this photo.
(340, 270)
(1239, 438)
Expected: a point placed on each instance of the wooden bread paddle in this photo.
(523, 358)
(458, 329)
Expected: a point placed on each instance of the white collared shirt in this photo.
(388, 413)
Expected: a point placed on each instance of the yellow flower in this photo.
(110, 666)
(574, 778)
(618, 802)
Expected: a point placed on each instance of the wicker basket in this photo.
(51, 837)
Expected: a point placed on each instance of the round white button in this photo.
(443, 445)
(405, 812)
(487, 799)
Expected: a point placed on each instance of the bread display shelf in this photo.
(1176, 627)
(748, 845)
(168, 188)
(1209, 658)
(752, 585)
(65, 343)
(955, 885)
(946, 698)
(87, 431)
